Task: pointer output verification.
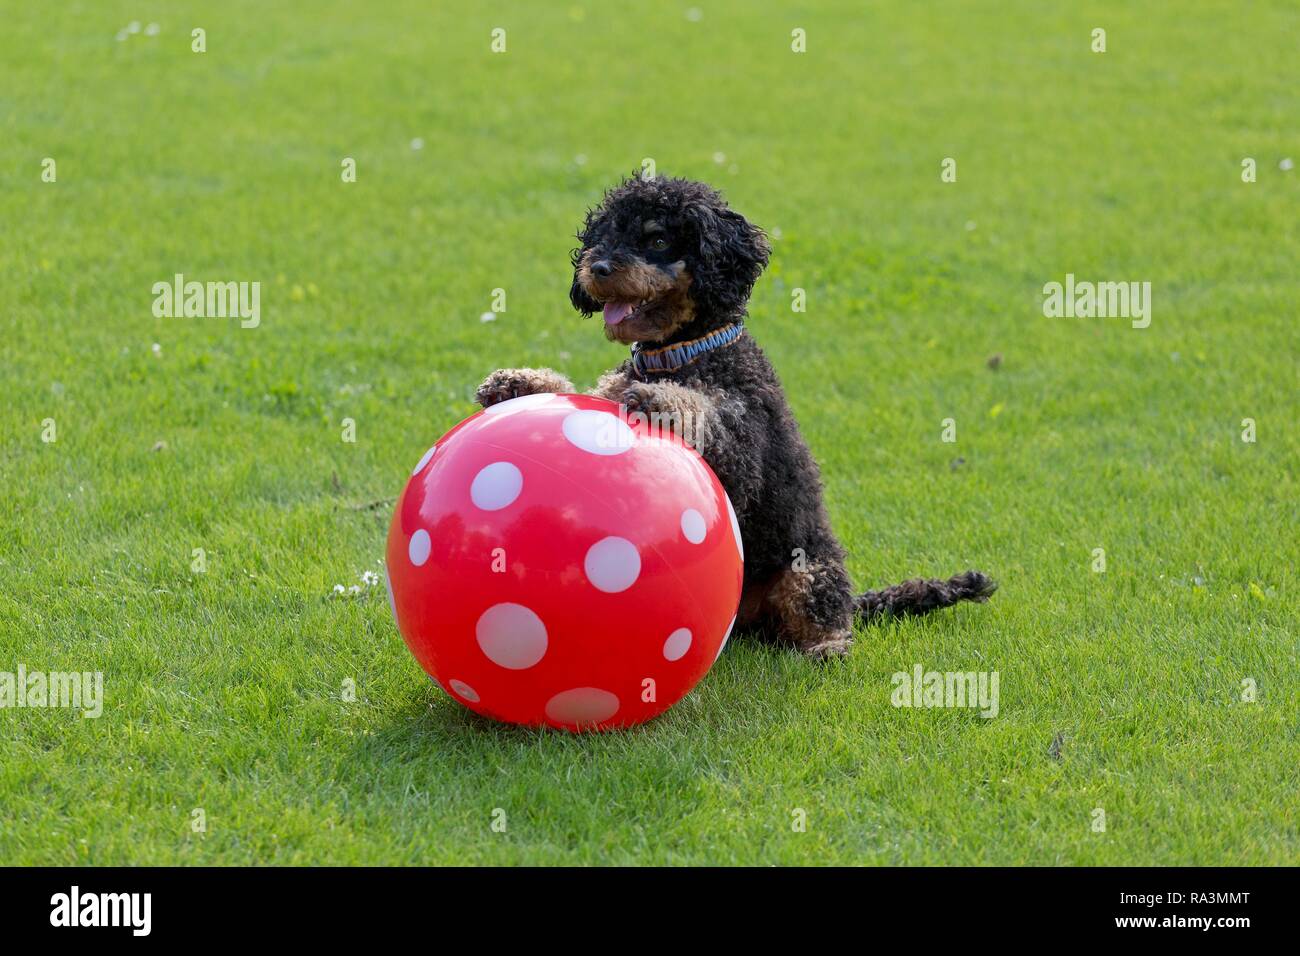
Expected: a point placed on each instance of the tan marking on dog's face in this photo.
(665, 298)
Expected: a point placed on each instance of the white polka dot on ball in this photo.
(600, 433)
(423, 461)
(419, 547)
(519, 403)
(612, 564)
(678, 643)
(725, 637)
(511, 636)
(496, 486)
(464, 690)
(582, 706)
(693, 526)
(735, 527)
(392, 601)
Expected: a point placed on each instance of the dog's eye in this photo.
(658, 243)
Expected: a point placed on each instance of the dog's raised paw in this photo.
(507, 383)
(660, 413)
(495, 388)
(643, 398)
(657, 406)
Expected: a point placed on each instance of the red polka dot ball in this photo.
(555, 561)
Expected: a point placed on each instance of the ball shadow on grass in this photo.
(751, 689)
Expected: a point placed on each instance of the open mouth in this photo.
(616, 312)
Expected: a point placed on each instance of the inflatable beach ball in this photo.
(555, 561)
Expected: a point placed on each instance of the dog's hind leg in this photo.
(812, 608)
(923, 595)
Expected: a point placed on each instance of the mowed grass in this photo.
(224, 690)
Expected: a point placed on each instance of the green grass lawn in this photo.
(226, 690)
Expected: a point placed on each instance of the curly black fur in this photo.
(923, 595)
(723, 252)
(675, 247)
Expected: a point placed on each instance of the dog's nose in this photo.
(602, 268)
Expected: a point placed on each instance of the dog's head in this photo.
(660, 255)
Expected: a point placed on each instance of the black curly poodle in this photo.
(671, 268)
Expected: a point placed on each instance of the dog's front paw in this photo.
(507, 383)
(667, 407)
(658, 407)
(643, 398)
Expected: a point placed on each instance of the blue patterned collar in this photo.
(672, 357)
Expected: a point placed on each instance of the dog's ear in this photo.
(577, 295)
(732, 253)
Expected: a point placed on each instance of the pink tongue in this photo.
(616, 312)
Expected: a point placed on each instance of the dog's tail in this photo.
(923, 595)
